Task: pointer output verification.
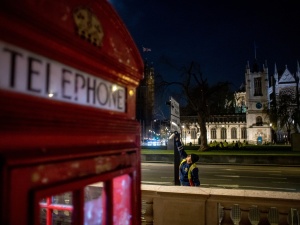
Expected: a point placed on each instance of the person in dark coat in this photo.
(188, 170)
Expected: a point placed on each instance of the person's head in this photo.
(192, 158)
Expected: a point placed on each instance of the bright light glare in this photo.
(114, 88)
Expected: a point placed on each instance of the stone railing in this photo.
(176, 205)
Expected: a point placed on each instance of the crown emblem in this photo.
(88, 26)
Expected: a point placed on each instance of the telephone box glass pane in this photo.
(122, 200)
(62, 215)
(57, 209)
(93, 204)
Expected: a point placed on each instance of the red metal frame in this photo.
(50, 207)
(47, 146)
(78, 200)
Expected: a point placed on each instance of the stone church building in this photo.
(251, 121)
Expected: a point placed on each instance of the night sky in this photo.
(219, 35)
(222, 36)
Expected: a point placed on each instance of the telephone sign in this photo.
(25, 72)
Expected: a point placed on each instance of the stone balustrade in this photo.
(177, 205)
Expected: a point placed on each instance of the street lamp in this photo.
(183, 127)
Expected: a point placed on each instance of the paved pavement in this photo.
(282, 160)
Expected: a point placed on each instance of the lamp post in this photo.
(176, 161)
(175, 128)
(183, 131)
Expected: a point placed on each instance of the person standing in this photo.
(188, 170)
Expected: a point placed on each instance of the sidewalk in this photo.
(270, 156)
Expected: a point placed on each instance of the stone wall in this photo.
(179, 205)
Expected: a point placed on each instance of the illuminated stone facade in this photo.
(251, 121)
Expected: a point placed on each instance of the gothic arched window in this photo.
(213, 133)
(243, 133)
(233, 133)
(223, 133)
(259, 121)
(290, 91)
(193, 133)
(257, 87)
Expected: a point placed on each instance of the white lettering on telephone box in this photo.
(28, 73)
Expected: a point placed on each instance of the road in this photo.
(271, 178)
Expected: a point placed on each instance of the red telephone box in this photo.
(69, 141)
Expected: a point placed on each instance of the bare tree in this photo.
(199, 97)
(282, 113)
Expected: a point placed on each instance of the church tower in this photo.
(145, 101)
(257, 98)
